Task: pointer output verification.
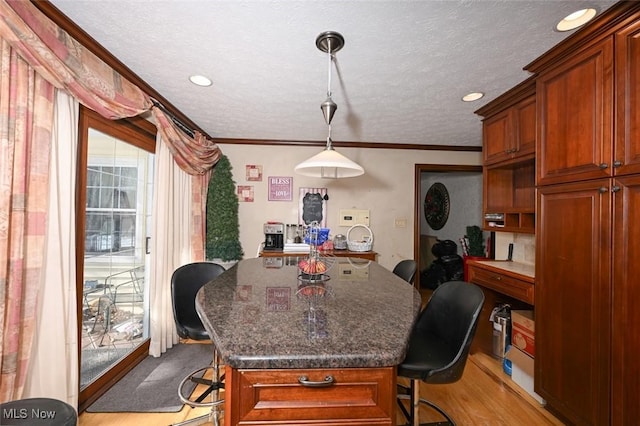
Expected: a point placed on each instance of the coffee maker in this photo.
(273, 236)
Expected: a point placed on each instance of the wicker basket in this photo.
(360, 245)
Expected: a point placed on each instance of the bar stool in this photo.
(38, 411)
(186, 281)
(406, 269)
(439, 345)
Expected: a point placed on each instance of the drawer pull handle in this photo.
(498, 278)
(304, 381)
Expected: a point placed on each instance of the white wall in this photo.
(386, 189)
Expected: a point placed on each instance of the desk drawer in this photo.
(502, 283)
(364, 396)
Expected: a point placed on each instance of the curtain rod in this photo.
(175, 119)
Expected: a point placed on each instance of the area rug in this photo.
(152, 385)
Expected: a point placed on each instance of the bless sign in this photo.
(280, 188)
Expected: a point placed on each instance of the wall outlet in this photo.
(350, 217)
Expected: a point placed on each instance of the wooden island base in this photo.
(363, 396)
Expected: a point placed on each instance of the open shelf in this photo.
(509, 197)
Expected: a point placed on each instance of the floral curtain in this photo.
(52, 56)
(26, 117)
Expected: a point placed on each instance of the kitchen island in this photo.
(298, 351)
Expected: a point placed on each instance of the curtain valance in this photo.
(68, 65)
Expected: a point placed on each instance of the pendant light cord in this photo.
(330, 57)
(330, 60)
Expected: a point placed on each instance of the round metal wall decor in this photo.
(436, 206)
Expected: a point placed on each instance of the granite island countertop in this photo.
(264, 317)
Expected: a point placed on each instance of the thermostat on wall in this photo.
(354, 217)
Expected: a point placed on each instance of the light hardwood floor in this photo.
(484, 396)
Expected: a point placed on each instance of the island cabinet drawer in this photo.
(502, 283)
(363, 396)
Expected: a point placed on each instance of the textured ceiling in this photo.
(399, 78)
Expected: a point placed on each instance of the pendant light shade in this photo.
(329, 163)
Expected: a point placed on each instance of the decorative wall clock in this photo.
(436, 206)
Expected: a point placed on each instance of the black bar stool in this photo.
(38, 412)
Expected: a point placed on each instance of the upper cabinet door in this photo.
(510, 135)
(524, 114)
(575, 113)
(497, 132)
(627, 151)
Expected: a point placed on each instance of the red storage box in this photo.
(523, 331)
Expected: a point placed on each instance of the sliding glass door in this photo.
(114, 198)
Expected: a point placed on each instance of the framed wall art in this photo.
(280, 188)
(254, 172)
(245, 193)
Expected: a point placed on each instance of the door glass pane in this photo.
(115, 300)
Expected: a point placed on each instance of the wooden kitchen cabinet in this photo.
(575, 106)
(573, 300)
(587, 235)
(627, 61)
(587, 321)
(579, 136)
(509, 197)
(625, 374)
(509, 131)
(509, 127)
(499, 286)
(363, 396)
(502, 281)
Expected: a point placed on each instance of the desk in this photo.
(271, 333)
(368, 255)
(502, 282)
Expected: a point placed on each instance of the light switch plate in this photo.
(350, 217)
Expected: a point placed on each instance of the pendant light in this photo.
(329, 163)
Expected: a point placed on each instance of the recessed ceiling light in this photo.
(473, 96)
(576, 19)
(200, 80)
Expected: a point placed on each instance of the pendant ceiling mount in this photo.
(330, 42)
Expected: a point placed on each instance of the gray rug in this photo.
(152, 385)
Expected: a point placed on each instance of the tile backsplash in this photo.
(524, 247)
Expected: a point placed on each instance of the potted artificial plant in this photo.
(223, 235)
(476, 241)
(475, 237)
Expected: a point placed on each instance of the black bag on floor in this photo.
(443, 269)
(444, 248)
(453, 265)
(434, 275)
